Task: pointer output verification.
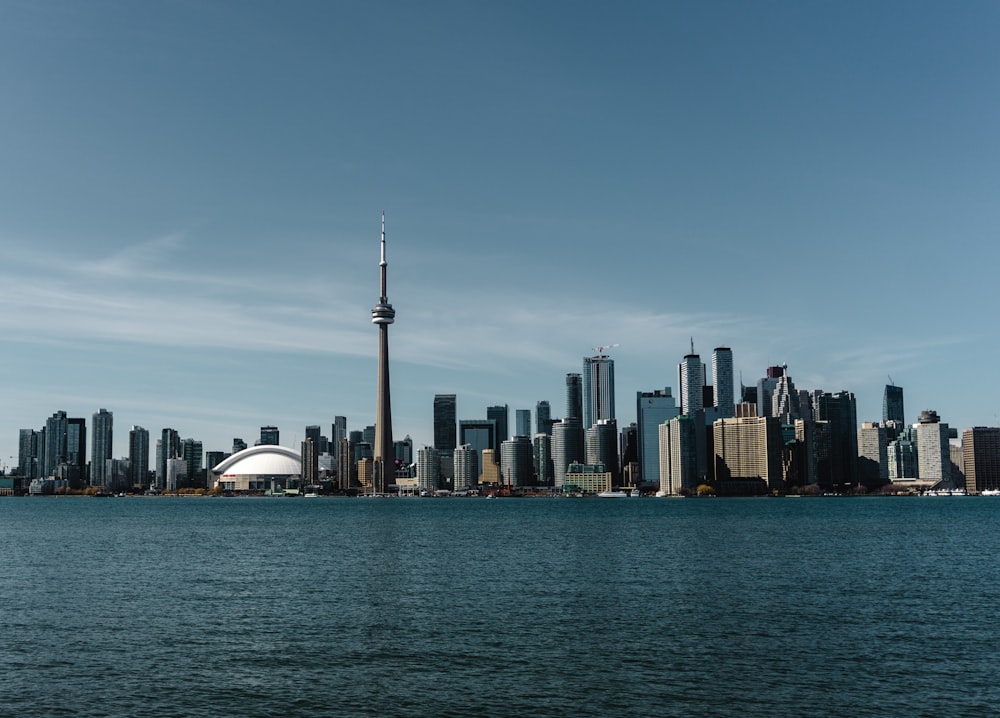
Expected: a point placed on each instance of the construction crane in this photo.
(600, 349)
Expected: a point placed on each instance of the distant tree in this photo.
(705, 490)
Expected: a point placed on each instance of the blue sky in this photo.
(190, 195)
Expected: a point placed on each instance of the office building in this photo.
(981, 458)
(500, 416)
(522, 423)
(138, 456)
(338, 431)
(892, 404)
(543, 418)
(193, 455)
(691, 376)
(765, 390)
(785, 400)
(598, 382)
(587, 478)
(480, 434)
(490, 469)
(238, 445)
(269, 436)
(445, 422)
(27, 453)
(840, 409)
(574, 397)
(384, 469)
(722, 375)
(652, 408)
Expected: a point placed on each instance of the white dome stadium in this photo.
(257, 467)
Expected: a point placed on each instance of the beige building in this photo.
(748, 451)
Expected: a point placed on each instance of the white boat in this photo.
(612, 495)
(635, 493)
(990, 492)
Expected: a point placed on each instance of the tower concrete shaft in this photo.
(384, 454)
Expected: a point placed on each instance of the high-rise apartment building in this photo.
(167, 448)
(428, 469)
(310, 461)
(102, 447)
(138, 456)
(873, 455)
(598, 389)
(27, 453)
(465, 460)
(722, 375)
(652, 408)
(602, 446)
(567, 447)
(678, 454)
(542, 454)
(445, 422)
(981, 457)
(517, 462)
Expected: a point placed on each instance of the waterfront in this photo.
(714, 607)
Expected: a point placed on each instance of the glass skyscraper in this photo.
(444, 422)
(598, 389)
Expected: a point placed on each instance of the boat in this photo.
(990, 492)
(311, 495)
(612, 495)
(635, 493)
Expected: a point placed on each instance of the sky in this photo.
(191, 192)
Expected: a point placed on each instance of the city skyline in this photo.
(188, 241)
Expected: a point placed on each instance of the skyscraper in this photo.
(445, 424)
(337, 432)
(543, 418)
(602, 446)
(168, 448)
(691, 374)
(428, 468)
(466, 466)
(383, 315)
(138, 456)
(873, 455)
(892, 404)
(598, 389)
(269, 436)
(500, 415)
(981, 453)
(517, 462)
(840, 409)
(722, 375)
(652, 408)
(933, 454)
(567, 447)
(27, 453)
(480, 434)
(101, 447)
(522, 422)
(574, 397)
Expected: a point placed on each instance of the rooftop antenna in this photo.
(891, 382)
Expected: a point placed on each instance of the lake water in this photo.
(511, 607)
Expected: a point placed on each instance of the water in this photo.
(513, 607)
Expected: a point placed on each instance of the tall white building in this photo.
(428, 469)
(933, 450)
(465, 461)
